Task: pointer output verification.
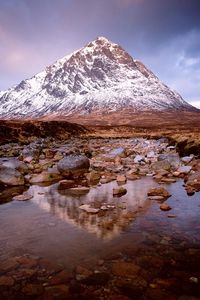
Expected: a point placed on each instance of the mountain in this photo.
(99, 79)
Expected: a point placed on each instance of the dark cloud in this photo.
(165, 35)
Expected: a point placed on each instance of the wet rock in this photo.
(165, 207)
(82, 273)
(172, 159)
(100, 278)
(14, 163)
(93, 177)
(138, 159)
(119, 191)
(49, 153)
(6, 281)
(121, 179)
(184, 169)
(160, 191)
(161, 165)
(62, 277)
(24, 274)
(187, 159)
(157, 198)
(60, 292)
(66, 184)
(32, 289)
(45, 176)
(9, 264)
(23, 197)
(132, 176)
(73, 165)
(89, 209)
(167, 180)
(27, 261)
(107, 179)
(194, 280)
(80, 190)
(193, 182)
(9, 176)
(125, 269)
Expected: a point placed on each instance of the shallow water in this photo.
(51, 225)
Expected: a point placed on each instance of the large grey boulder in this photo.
(73, 165)
(172, 159)
(14, 163)
(9, 176)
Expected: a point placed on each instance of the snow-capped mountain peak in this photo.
(99, 77)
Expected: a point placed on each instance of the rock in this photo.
(184, 169)
(187, 159)
(167, 180)
(82, 273)
(100, 278)
(151, 154)
(132, 177)
(165, 207)
(14, 163)
(9, 176)
(89, 209)
(172, 159)
(121, 178)
(6, 281)
(119, 191)
(60, 292)
(160, 191)
(193, 182)
(161, 165)
(23, 197)
(66, 184)
(107, 179)
(49, 153)
(158, 198)
(138, 159)
(125, 269)
(80, 190)
(93, 177)
(73, 165)
(117, 152)
(33, 289)
(45, 176)
(60, 278)
(194, 280)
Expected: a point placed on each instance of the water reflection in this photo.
(105, 224)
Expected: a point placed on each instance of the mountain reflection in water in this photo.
(106, 224)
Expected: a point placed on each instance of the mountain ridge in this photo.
(99, 77)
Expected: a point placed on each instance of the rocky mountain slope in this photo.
(99, 78)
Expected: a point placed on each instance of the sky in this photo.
(163, 34)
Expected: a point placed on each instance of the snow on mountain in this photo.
(100, 76)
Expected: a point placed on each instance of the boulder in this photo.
(160, 191)
(93, 177)
(138, 159)
(121, 179)
(184, 169)
(161, 165)
(73, 165)
(10, 176)
(14, 163)
(119, 191)
(193, 182)
(187, 159)
(165, 207)
(87, 208)
(172, 159)
(45, 176)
